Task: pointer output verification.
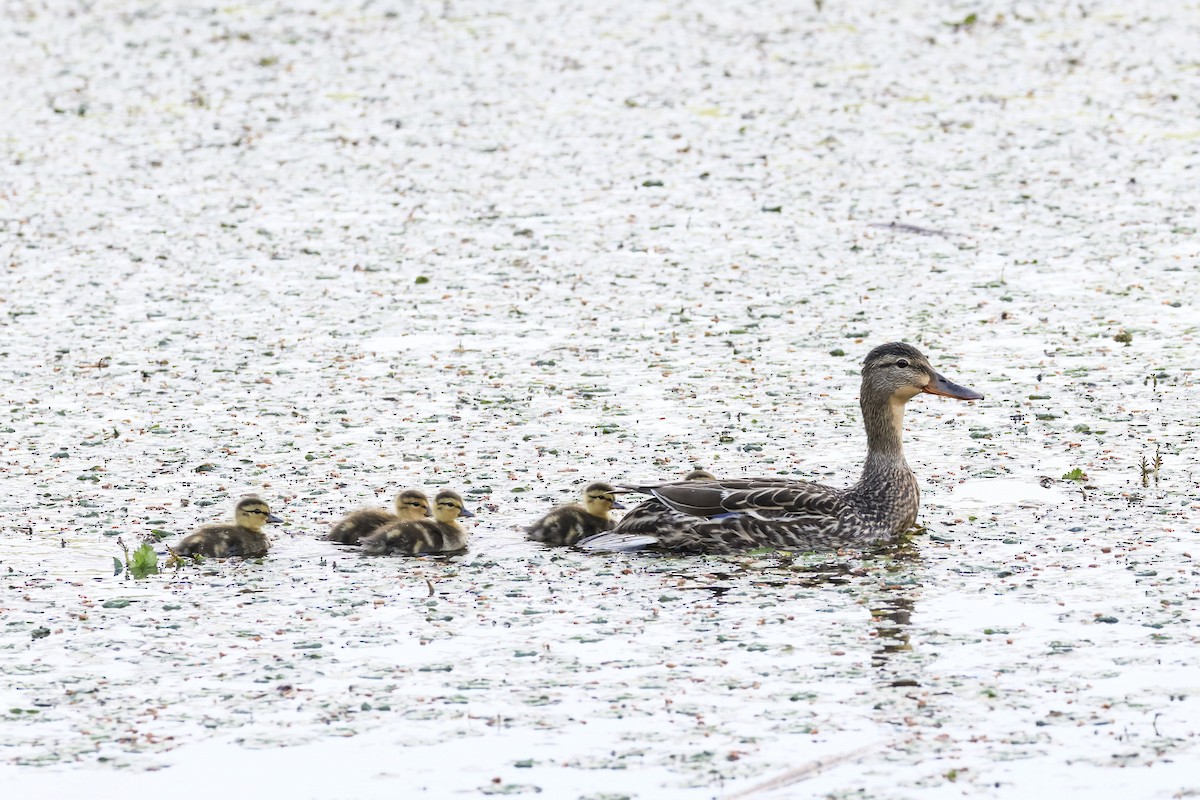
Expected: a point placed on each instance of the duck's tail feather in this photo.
(611, 542)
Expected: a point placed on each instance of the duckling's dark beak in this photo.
(617, 504)
(939, 385)
(273, 518)
(466, 512)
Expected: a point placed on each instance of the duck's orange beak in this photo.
(940, 386)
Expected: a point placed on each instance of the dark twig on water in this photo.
(905, 228)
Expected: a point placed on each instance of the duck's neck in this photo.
(886, 497)
(884, 422)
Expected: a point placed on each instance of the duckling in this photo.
(727, 516)
(567, 524)
(244, 538)
(411, 504)
(412, 537)
(699, 475)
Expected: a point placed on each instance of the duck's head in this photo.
(253, 512)
(898, 372)
(599, 498)
(699, 475)
(448, 506)
(412, 504)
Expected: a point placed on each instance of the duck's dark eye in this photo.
(902, 363)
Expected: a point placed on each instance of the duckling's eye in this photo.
(902, 363)
(415, 504)
(255, 511)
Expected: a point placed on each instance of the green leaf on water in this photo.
(117, 566)
(1075, 475)
(143, 562)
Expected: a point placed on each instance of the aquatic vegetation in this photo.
(142, 562)
(321, 251)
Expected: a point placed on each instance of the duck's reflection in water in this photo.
(891, 622)
(887, 579)
(892, 602)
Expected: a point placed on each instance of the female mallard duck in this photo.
(726, 516)
(411, 504)
(568, 524)
(243, 538)
(412, 537)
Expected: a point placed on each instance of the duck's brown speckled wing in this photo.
(766, 495)
(734, 515)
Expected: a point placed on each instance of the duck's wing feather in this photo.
(728, 483)
(657, 526)
(768, 497)
(613, 542)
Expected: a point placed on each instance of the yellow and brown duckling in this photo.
(413, 537)
(243, 538)
(726, 516)
(567, 524)
(699, 475)
(411, 504)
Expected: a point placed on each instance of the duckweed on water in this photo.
(238, 297)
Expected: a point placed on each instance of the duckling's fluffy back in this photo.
(566, 525)
(415, 537)
(224, 541)
(352, 528)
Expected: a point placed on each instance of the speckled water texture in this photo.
(322, 250)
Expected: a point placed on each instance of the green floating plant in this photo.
(141, 562)
(1076, 474)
